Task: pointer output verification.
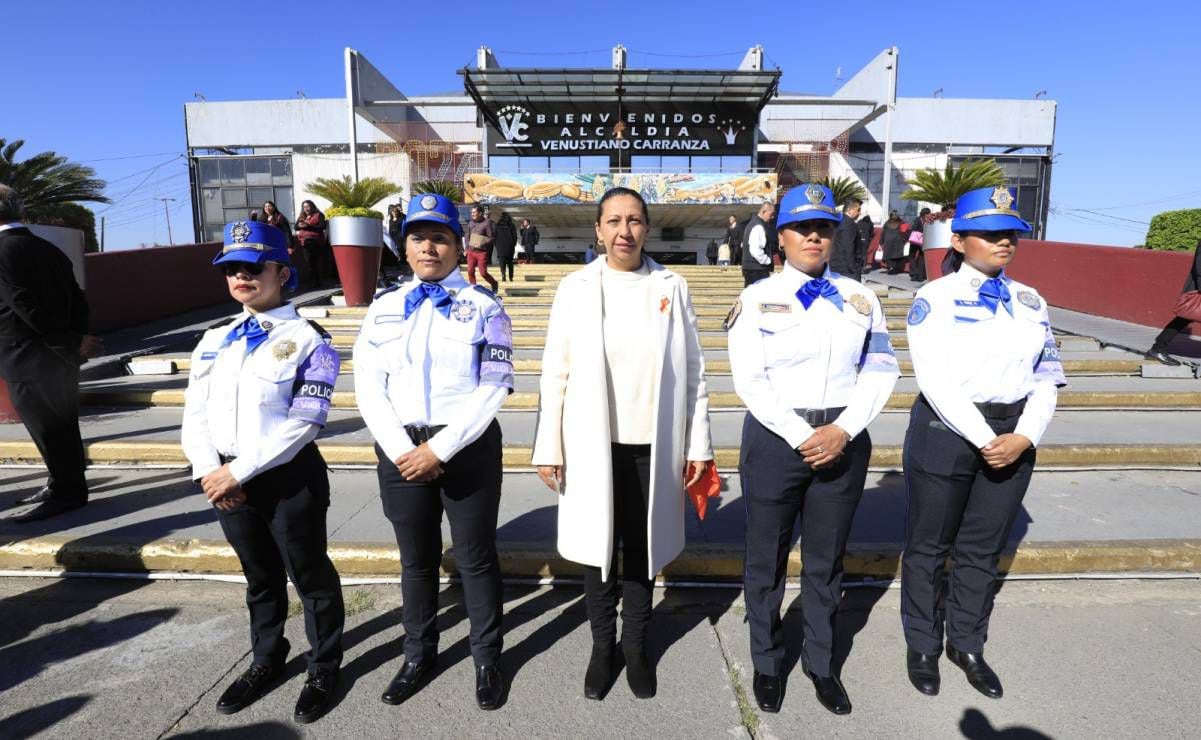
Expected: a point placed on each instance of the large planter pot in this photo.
(357, 244)
(8, 414)
(936, 242)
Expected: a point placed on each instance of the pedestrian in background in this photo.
(44, 323)
(760, 244)
(723, 256)
(433, 364)
(311, 229)
(392, 259)
(480, 235)
(711, 252)
(867, 232)
(506, 245)
(892, 242)
(917, 240)
(734, 239)
(624, 412)
(847, 253)
(1173, 329)
(989, 370)
(529, 239)
(258, 393)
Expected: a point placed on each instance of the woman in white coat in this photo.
(624, 416)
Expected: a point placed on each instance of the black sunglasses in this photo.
(233, 268)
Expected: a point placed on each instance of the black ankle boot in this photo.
(599, 677)
(639, 673)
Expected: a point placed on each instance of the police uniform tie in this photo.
(819, 288)
(252, 330)
(995, 292)
(434, 292)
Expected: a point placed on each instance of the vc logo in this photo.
(513, 125)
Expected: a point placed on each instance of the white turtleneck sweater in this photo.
(628, 319)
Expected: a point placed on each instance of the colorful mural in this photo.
(567, 189)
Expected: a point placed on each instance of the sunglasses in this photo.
(235, 268)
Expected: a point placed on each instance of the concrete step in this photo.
(1167, 400)
(168, 364)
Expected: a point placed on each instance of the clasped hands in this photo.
(1004, 450)
(420, 464)
(222, 489)
(824, 446)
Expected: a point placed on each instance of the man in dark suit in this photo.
(43, 320)
(847, 254)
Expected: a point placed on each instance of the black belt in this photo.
(819, 417)
(1001, 410)
(420, 433)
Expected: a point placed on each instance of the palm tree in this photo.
(945, 188)
(47, 180)
(445, 188)
(844, 188)
(345, 195)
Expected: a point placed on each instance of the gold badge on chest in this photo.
(860, 303)
(283, 350)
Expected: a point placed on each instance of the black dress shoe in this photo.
(317, 696)
(37, 498)
(769, 692)
(639, 674)
(408, 681)
(1163, 357)
(489, 687)
(831, 693)
(48, 508)
(979, 675)
(599, 677)
(247, 688)
(923, 672)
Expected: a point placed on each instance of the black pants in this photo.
(1169, 333)
(49, 408)
(960, 506)
(469, 493)
(777, 487)
(917, 265)
(631, 503)
(895, 266)
(506, 267)
(754, 274)
(279, 533)
(319, 258)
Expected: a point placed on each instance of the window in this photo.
(210, 206)
(258, 171)
(255, 197)
(209, 172)
(233, 197)
(281, 170)
(233, 171)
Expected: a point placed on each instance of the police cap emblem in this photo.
(814, 193)
(1029, 300)
(429, 202)
(240, 232)
(1001, 197)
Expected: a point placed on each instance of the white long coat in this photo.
(573, 423)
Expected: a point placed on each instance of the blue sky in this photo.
(105, 83)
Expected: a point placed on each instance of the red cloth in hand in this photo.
(709, 486)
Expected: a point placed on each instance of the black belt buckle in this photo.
(819, 417)
(992, 410)
(420, 434)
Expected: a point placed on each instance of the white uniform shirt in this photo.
(258, 407)
(965, 354)
(784, 357)
(433, 370)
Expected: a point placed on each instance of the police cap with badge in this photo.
(256, 242)
(988, 209)
(808, 202)
(434, 209)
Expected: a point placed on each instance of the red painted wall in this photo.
(138, 285)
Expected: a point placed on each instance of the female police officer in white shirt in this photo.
(812, 361)
(988, 369)
(432, 366)
(259, 392)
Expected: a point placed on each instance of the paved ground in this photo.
(139, 659)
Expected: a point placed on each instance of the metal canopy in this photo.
(508, 85)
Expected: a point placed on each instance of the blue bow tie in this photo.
(434, 292)
(251, 329)
(819, 288)
(994, 291)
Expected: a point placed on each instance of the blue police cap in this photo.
(256, 242)
(434, 209)
(807, 202)
(253, 241)
(988, 209)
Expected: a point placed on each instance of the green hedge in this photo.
(335, 211)
(1175, 231)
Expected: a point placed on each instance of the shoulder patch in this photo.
(732, 316)
(320, 330)
(486, 292)
(918, 312)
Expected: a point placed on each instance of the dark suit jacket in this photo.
(43, 313)
(1194, 275)
(846, 255)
